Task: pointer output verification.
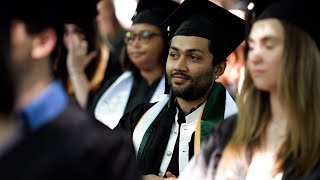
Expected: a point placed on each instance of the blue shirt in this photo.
(45, 107)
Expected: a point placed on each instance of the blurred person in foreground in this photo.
(61, 140)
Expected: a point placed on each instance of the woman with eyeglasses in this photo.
(144, 61)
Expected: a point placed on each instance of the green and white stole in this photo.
(112, 104)
(218, 106)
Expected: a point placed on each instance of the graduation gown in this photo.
(204, 165)
(154, 146)
(121, 95)
(71, 146)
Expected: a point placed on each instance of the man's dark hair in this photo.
(211, 49)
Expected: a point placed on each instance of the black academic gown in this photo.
(72, 146)
(151, 157)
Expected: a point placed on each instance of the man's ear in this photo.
(219, 69)
(44, 44)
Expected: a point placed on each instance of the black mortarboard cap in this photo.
(300, 13)
(53, 11)
(80, 12)
(258, 6)
(205, 19)
(40, 12)
(153, 11)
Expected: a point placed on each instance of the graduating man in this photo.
(63, 141)
(166, 137)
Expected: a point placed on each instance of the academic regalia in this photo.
(204, 166)
(71, 146)
(164, 139)
(120, 95)
(140, 88)
(62, 142)
(154, 147)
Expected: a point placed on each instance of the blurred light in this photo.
(250, 6)
(125, 9)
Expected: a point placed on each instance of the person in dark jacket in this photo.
(61, 140)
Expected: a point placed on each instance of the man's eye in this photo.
(173, 55)
(193, 57)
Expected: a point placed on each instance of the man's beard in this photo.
(197, 87)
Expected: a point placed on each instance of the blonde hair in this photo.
(298, 89)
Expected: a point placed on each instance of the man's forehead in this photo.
(190, 42)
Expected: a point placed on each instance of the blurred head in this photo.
(266, 53)
(84, 33)
(36, 34)
(31, 44)
(147, 40)
(145, 46)
(106, 18)
(283, 59)
(72, 29)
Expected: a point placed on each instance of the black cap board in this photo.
(300, 13)
(153, 11)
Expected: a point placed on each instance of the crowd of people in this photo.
(196, 89)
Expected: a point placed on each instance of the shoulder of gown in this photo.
(129, 120)
(72, 146)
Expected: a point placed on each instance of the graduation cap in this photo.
(153, 11)
(49, 12)
(39, 12)
(205, 19)
(258, 6)
(300, 13)
(80, 12)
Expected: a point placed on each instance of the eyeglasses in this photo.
(143, 36)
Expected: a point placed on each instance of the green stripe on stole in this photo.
(144, 141)
(213, 113)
